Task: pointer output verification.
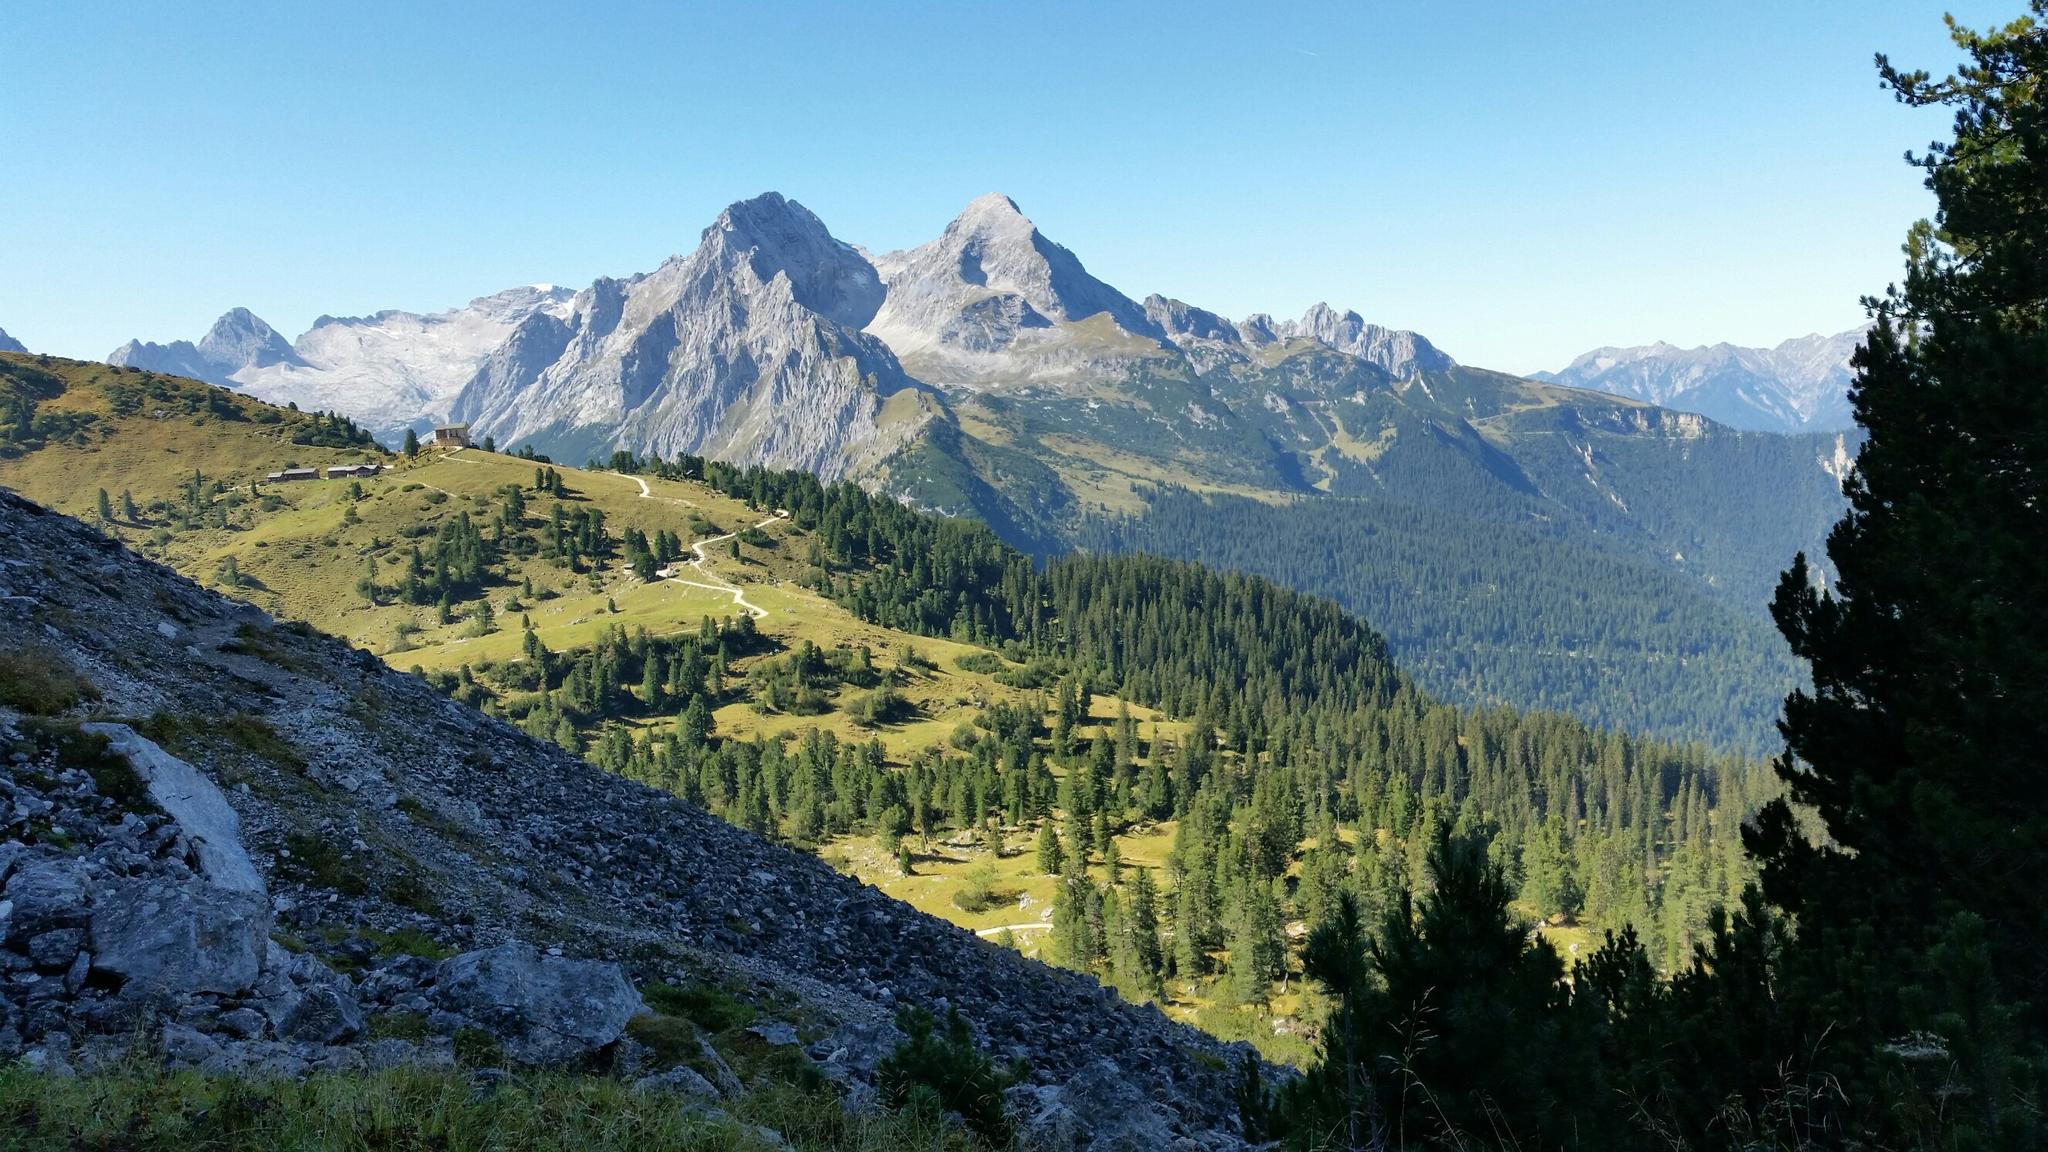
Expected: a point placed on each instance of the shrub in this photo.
(980, 661)
(978, 891)
(946, 1073)
(709, 1007)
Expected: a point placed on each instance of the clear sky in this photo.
(1519, 181)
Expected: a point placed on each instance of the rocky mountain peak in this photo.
(240, 339)
(1258, 328)
(776, 235)
(9, 343)
(749, 348)
(989, 281)
(1183, 321)
(1799, 385)
(991, 215)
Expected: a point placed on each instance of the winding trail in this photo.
(712, 581)
(718, 583)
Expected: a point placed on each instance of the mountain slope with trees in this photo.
(921, 686)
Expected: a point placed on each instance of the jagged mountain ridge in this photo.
(987, 373)
(749, 348)
(1801, 385)
(239, 341)
(991, 300)
(390, 371)
(9, 343)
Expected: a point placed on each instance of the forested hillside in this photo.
(1520, 543)
(1311, 766)
(1524, 611)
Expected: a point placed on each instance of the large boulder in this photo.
(192, 937)
(542, 1009)
(43, 894)
(1101, 1110)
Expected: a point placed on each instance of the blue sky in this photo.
(1519, 181)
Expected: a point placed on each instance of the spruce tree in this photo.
(1049, 851)
(1920, 746)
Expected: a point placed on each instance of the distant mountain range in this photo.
(988, 373)
(390, 371)
(9, 343)
(1801, 385)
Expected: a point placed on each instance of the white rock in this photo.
(200, 809)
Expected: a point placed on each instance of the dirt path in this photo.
(998, 930)
(717, 583)
(712, 581)
(646, 493)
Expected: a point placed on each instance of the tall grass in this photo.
(141, 1107)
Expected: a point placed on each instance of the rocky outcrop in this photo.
(182, 937)
(429, 865)
(189, 798)
(1099, 1110)
(1402, 354)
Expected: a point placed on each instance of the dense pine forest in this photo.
(1314, 770)
(1517, 611)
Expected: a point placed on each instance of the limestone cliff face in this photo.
(749, 349)
(1401, 353)
(993, 301)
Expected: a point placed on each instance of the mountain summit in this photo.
(992, 281)
(391, 371)
(9, 343)
(1401, 353)
(237, 342)
(749, 348)
(241, 339)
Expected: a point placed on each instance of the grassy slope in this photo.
(301, 560)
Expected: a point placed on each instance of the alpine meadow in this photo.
(912, 694)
